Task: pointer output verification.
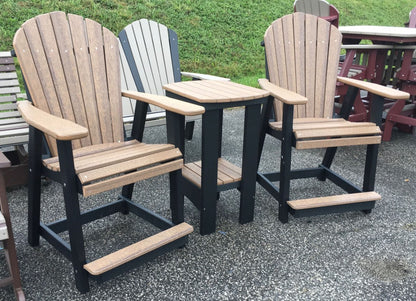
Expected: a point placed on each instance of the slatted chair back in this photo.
(152, 50)
(320, 8)
(302, 53)
(13, 129)
(412, 18)
(74, 74)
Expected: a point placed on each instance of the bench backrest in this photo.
(13, 129)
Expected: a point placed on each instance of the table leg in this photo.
(209, 170)
(252, 125)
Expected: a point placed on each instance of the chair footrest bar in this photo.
(334, 200)
(138, 249)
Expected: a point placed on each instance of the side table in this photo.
(202, 180)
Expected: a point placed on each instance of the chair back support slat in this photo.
(148, 44)
(310, 63)
(299, 41)
(321, 66)
(318, 8)
(127, 83)
(86, 81)
(310, 72)
(71, 67)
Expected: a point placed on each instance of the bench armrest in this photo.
(282, 94)
(375, 88)
(58, 128)
(167, 103)
(203, 76)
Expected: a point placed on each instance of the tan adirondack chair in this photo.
(149, 56)
(302, 53)
(72, 70)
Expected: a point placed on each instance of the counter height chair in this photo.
(71, 67)
(302, 53)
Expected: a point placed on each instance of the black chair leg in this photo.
(176, 197)
(34, 183)
(285, 163)
(73, 215)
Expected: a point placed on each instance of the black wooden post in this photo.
(76, 238)
(285, 162)
(35, 166)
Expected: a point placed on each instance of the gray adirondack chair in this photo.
(149, 56)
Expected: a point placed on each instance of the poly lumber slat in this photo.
(325, 125)
(13, 132)
(14, 120)
(332, 70)
(92, 149)
(227, 172)
(138, 249)
(114, 88)
(321, 65)
(334, 200)
(131, 178)
(97, 55)
(9, 114)
(113, 156)
(128, 165)
(337, 132)
(323, 143)
(15, 140)
(310, 63)
(82, 55)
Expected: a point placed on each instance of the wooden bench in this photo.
(14, 131)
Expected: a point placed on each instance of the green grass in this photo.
(219, 37)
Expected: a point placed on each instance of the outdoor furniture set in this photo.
(76, 83)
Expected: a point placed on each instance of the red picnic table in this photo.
(393, 65)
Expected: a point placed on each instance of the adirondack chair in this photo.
(320, 8)
(14, 131)
(149, 56)
(6, 234)
(302, 53)
(72, 70)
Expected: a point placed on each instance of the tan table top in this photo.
(215, 91)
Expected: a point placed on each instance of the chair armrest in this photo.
(203, 76)
(58, 128)
(366, 47)
(167, 103)
(282, 94)
(375, 88)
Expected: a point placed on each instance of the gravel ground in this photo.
(348, 256)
